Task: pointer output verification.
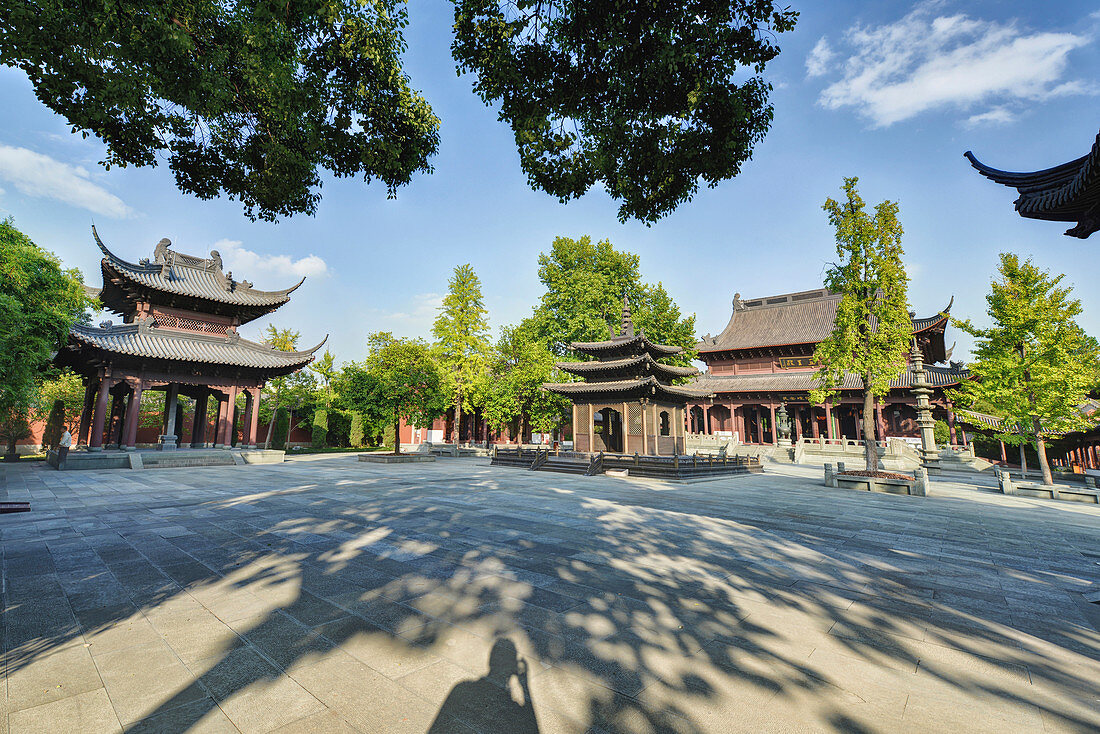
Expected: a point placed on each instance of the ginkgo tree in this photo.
(461, 331)
(1033, 365)
(873, 327)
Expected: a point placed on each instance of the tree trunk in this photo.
(458, 417)
(870, 451)
(1023, 460)
(1041, 450)
(397, 436)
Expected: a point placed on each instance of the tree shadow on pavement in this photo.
(727, 606)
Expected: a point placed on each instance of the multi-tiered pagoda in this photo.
(627, 403)
(178, 334)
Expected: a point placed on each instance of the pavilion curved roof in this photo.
(178, 274)
(642, 361)
(623, 343)
(575, 389)
(144, 341)
(1066, 193)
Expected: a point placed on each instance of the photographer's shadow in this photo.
(488, 703)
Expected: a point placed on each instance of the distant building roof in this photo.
(200, 281)
(790, 319)
(1066, 193)
(804, 381)
(144, 341)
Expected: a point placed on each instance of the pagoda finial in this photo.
(627, 328)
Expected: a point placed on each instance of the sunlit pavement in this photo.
(331, 595)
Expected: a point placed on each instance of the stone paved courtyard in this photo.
(329, 595)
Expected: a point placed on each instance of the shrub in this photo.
(51, 434)
(281, 430)
(320, 429)
(387, 436)
(12, 429)
(356, 435)
(942, 433)
(339, 428)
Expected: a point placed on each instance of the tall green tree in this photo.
(873, 327)
(258, 101)
(461, 332)
(585, 284)
(279, 391)
(39, 301)
(1034, 364)
(326, 369)
(401, 381)
(514, 396)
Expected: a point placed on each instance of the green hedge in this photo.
(281, 429)
(320, 429)
(357, 435)
(51, 434)
(339, 429)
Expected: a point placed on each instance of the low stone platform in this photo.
(83, 460)
(392, 459)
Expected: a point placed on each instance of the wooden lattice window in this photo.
(635, 412)
(180, 322)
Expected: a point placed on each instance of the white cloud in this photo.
(820, 59)
(927, 61)
(35, 174)
(246, 262)
(995, 116)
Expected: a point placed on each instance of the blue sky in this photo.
(891, 92)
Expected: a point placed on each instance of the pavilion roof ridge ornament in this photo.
(1069, 192)
(178, 274)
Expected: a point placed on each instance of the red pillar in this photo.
(219, 425)
(771, 424)
(797, 424)
(95, 441)
(1004, 456)
(133, 416)
(814, 430)
(951, 426)
(225, 437)
(253, 426)
(828, 420)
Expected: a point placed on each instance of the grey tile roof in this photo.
(625, 343)
(803, 381)
(1066, 193)
(141, 340)
(588, 388)
(794, 318)
(610, 365)
(186, 275)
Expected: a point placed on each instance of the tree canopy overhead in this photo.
(257, 101)
(640, 96)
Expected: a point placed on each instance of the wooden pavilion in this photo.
(178, 334)
(627, 402)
